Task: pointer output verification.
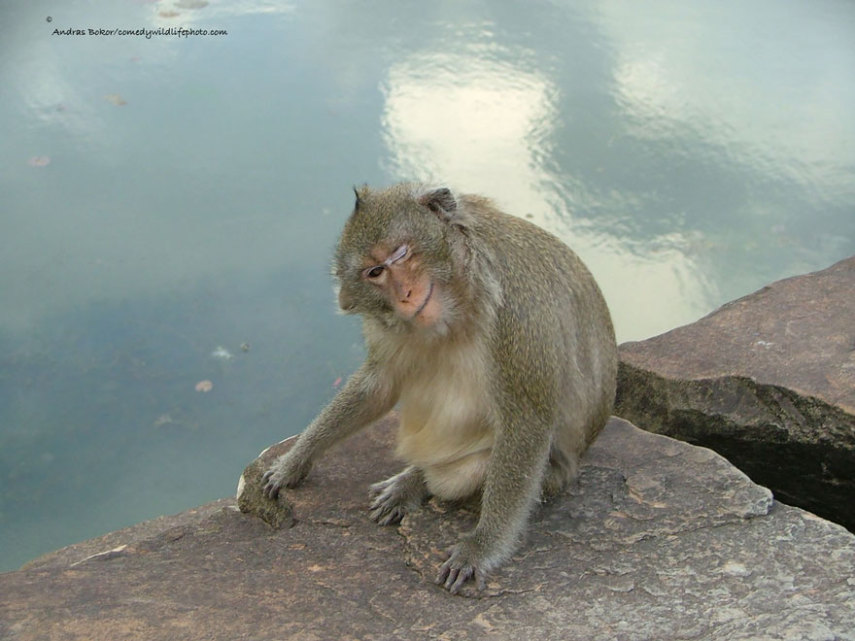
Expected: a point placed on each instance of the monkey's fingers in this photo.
(270, 488)
(284, 472)
(272, 484)
(445, 573)
(452, 577)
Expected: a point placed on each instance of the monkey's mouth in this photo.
(425, 301)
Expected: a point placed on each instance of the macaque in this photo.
(496, 344)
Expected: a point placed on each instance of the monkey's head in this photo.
(396, 256)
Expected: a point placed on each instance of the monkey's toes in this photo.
(385, 509)
(385, 515)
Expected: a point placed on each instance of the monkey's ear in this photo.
(440, 201)
(360, 197)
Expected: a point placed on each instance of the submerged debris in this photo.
(115, 99)
(39, 161)
(165, 419)
(222, 353)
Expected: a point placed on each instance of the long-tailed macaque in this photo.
(495, 341)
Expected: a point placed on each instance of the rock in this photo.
(768, 381)
(658, 540)
(79, 552)
(276, 514)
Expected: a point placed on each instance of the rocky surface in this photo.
(768, 381)
(659, 540)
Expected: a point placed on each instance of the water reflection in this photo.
(474, 119)
(707, 82)
(488, 124)
(690, 152)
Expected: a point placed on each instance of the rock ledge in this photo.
(659, 539)
(768, 381)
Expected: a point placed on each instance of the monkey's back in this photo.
(553, 322)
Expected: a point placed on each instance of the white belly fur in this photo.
(444, 427)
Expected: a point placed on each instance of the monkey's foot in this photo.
(463, 564)
(396, 496)
(284, 472)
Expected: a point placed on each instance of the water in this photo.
(168, 205)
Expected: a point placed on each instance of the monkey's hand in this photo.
(396, 496)
(466, 562)
(286, 471)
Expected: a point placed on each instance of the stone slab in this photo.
(768, 381)
(658, 540)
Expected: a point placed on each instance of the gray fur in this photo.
(524, 319)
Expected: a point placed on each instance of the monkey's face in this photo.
(400, 277)
(392, 261)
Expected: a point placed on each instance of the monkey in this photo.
(495, 342)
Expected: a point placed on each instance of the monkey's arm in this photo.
(365, 398)
(512, 487)
(524, 417)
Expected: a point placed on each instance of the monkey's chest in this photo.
(443, 418)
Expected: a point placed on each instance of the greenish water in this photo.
(168, 205)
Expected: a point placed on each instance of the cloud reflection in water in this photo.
(484, 125)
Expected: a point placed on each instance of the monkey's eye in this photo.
(374, 272)
(400, 253)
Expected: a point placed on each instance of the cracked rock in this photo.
(768, 381)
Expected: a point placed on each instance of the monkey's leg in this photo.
(512, 487)
(361, 401)
(396, 496)
(562, 469)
